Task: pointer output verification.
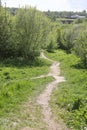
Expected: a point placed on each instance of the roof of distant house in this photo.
(77, 16)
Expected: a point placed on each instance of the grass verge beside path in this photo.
(12, 72)
(70, 99)
(20, 109)
(17, 95)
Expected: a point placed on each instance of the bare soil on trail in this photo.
(44, 98)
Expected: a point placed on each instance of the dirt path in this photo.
(44, 98)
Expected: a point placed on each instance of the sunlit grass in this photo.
(16, 89)
(10, 72)
(18, 105)
(70, 100)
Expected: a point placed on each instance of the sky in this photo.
(52, 5)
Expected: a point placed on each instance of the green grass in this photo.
(16, 89)
(19, 105)
(70, 100)
(11, 71)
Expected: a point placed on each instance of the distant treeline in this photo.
(62, 14)
(54, 14)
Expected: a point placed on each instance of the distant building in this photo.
(75, 16)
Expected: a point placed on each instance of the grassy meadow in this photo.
(18, 91)
(70, 99)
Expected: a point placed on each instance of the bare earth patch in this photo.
(28, 128)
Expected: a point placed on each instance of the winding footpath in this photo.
(44, 98)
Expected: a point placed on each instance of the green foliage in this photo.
(52, 39)
(59, 38)
(70, 100)
(16, 85)
(32, 31)
(54, 15)
(78, 21)
(72, 38)
(13, 94)
(5, 33)
(67, 34)
(24, 34)
(67, 39)
(81, 46)
(50, 47)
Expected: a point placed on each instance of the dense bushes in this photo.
(73, 38)
(5, 33)
(52, 40)
(32, 31)
(23, 34)
(81, 46)
(70, 99)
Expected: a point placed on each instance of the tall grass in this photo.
(16, 85)
(18, 92)
(70, 100)
(17, 106)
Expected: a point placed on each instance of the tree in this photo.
(32, 32)
(65, 38)
(5, 33)
(81, 47)
(52, 39)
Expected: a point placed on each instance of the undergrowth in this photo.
(70, 100)
(16, 88)
(17, 105)
(12, 71)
